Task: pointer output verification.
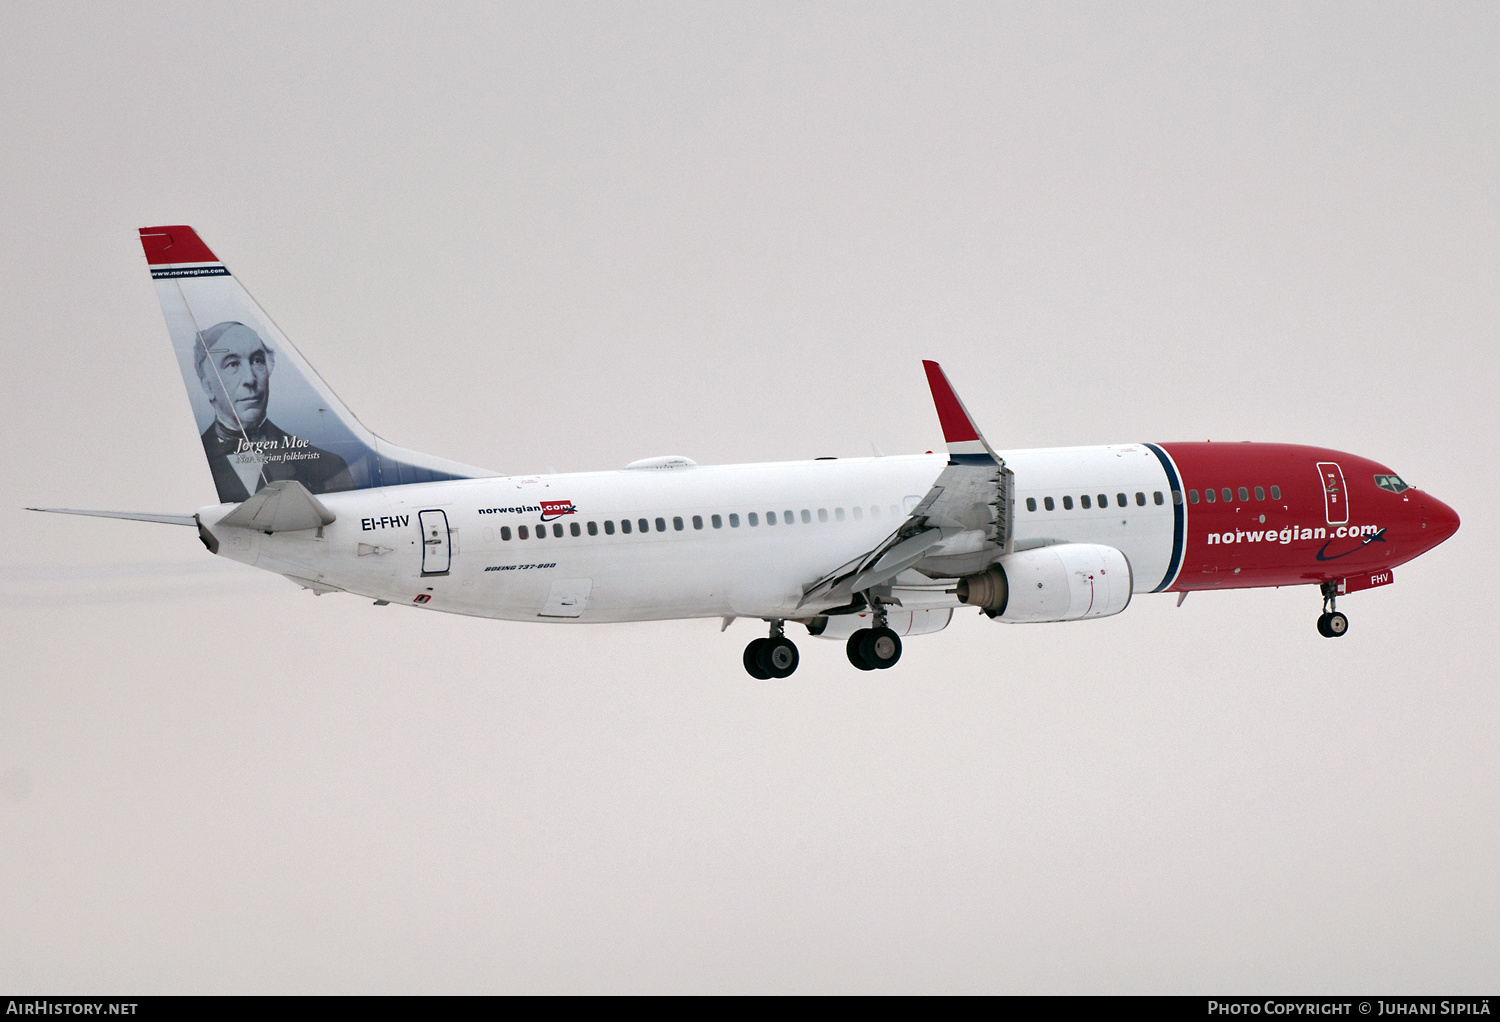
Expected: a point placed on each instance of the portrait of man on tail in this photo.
(245, 449)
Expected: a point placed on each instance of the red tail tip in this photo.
(176, 244)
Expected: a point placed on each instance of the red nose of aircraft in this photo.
(1438, 519)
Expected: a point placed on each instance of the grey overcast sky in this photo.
(573, 235)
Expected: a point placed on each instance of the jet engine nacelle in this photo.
(1066, 582)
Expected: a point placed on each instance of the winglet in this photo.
(965, 442)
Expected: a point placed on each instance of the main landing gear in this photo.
(1331, 624)
(874, 649)
(772, 657)
(869, 649)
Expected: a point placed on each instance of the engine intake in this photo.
(1066, 582)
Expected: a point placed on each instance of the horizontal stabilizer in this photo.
(134, 516)
(282, 505)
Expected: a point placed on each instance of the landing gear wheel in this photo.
(880, 648)
(852, 648)
(1331, 624)
(752, 660)
(778, 657)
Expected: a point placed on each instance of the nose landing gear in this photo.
(1331, 623)
(772, 657)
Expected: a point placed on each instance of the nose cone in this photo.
(1438, 519)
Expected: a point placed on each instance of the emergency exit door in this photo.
(436, 549)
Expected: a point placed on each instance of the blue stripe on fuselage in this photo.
(1179, 516)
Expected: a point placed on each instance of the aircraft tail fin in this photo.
(262, 412)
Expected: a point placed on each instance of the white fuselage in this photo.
(826, 512)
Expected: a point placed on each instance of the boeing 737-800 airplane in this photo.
(864, 550)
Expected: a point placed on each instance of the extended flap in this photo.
(283, 505)
(900, 557)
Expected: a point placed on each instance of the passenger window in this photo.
(643, 525)
(1176, 497)
(754, 519)
(1158, 499)
(1086, 502)
(807, 516)
(1228, 494)
(574, 529)
(625, 526)
(541, 532)
(1244, 494)
(1031, 503)
(557, 531)
(859, 514)
(838, 513)
(677, 523)
(717, 522)
(1140, 499)
(789, 518)
(1275, 493)
(1067, 503)
(1192, 496)
(661, 524)
(1121, 499)
(1103, 501)
(734, 521)
(521, 532)
(609, 527)
(505, 533)
(822, 514)
(1260, 493)
(1209, 496)
(593, 528)
(1047, 503)
(770, 517)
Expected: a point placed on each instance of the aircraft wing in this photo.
(961, 525)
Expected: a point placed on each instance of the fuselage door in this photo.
(1335, 496)
(436, 550)
(568, 597)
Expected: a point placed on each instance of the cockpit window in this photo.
(1392, 483)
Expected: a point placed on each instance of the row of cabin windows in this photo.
(1229, 494)
(1087, 500)
(752, 519)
